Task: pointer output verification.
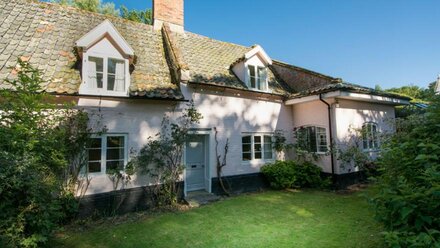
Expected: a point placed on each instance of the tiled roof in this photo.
(209, 61)
(345, 86)
(45, 34)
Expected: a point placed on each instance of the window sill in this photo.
(115, 94)
(257, 161)
(261, 91)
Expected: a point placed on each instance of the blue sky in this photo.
(386, 42)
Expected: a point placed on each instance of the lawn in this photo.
(268, 219)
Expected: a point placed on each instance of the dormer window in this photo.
(105, 75)
(257, 77)
(105, 65)
(253, 69)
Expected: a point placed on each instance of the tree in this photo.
(91, 5)
(407, 197)
(38, 139)
(137, 15)
(109, 8)
(418, 94)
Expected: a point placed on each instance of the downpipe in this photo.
(329, 108)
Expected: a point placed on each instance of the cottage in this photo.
(128, 75)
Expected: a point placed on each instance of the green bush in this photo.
(281, 174)
(407, 193)
(34, 151)
(291, 174)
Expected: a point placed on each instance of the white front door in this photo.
(195, 163)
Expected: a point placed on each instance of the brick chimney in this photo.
(170, 12)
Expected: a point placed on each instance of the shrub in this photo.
(291, 174)
(407, 195)
(281, 174)
(34, 151)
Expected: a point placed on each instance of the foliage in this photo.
(290, 174)
(145, 16)
(37, 143)
(281, 174)
(161, 157)
(303, 146)
(109, 8)
(351, 154)
(280, 141)
(97, 6)
(407, 198)
(417, 93)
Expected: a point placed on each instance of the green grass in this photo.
(269, 219)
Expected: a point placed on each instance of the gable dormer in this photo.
(106, 56)
(253, 69)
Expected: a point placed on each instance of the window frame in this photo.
(370, 133)
(253, 145)
(317, 138)
(257, 77)
(104, 148)
(85, 88)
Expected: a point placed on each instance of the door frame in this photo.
(208, 137)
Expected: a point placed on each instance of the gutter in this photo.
(329, 108)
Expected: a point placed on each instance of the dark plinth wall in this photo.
(240, 183)
(142, 198)
(120, 201)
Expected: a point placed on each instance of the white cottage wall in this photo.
(234, 115)
(352, 115)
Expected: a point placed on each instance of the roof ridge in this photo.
(82, 11)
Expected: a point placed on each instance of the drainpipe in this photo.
(329, 108)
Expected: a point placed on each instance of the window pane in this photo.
(312, 139)
(370, 136)
(247, 156)
(99, 82)
(268, 155)
(321, 139)
(246, 147)
(262, 78)
(246, 139)
(94, 154)
(115, 154)
(98, 62)
(95, 143)
(115, 141)
(111, 66)
(258, 155)
(115, 165)
(257, 139)
(252, 76)
(94, 167)
(111, 82)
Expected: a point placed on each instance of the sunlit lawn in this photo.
(269, 219)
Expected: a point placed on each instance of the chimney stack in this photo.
(170, 12)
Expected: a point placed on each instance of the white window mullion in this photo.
(104, 75)
(252, 147)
